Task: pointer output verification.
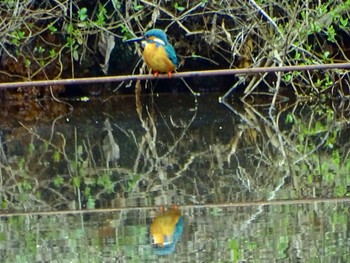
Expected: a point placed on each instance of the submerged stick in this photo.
(187, 74)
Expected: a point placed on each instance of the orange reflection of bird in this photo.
(166, 230)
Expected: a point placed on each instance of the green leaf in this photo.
(31, 148)
(101, 16)
(82, 14)
(53, 53)
(331, 34)
(116, 4)
(343, 22)
(179, 8)
(70, 28)
(58, 181)
(289, 118)
(76, 181)
(41, 50)
(75, 55)
(27, 63)
(56, 157)
(70, 41)
(52, 28)
(287, 77)
(326, 54)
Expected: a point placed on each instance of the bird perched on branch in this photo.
(158, 53)
(166, 230)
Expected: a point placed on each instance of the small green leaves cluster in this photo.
(17, 37)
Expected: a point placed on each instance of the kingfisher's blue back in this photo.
(170, 247)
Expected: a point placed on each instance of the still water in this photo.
(253, 183)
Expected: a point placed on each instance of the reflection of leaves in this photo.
(133, 182)
(316, 139)
(91, 203)
(105, 181)
(171, 155)
(312, 153)
(234, 245)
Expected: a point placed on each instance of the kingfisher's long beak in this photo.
(136, 39)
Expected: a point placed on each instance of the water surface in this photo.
(133, 154)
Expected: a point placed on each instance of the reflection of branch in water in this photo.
(149, 145)
(260, 209)
(185, 128)
(186, 166)
(268, 151)
(37, 136)
(289, 150)
(3, 158)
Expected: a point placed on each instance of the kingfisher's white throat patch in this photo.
(159, 41)
(152, 40)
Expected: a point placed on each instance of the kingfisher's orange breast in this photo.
(157, 59)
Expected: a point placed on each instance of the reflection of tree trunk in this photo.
(110, 147)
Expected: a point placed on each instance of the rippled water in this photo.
(126, 156)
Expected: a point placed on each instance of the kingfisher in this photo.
(158, 53)
(166, 230)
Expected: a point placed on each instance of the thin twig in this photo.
(187, 74)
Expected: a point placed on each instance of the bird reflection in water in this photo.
(166, 230)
